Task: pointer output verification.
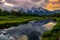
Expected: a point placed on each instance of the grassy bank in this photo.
(53, 34)
(8, 21)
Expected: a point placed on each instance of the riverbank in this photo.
(31, 29)
(8, 21)
(54, 33)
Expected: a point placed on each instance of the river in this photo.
(30, 31)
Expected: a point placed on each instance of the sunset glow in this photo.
(53, 5)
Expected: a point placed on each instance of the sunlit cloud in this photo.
(7, 4)
(53, 5)
(3, 2)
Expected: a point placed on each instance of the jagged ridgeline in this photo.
(30, 12)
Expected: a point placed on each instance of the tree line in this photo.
(19, 13)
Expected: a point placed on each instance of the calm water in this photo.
(30, 31)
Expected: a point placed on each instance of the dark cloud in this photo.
(0, 0)
(35, 0)
(0, 3)
(46, 1)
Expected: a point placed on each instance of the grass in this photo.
(54, 33)
(8, 21)
(13, 19)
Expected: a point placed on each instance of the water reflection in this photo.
(29, 31)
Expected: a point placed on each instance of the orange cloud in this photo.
(53, 5)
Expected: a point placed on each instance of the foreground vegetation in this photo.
(53, 34)
(8, 21)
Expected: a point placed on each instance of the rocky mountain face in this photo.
(39, 11)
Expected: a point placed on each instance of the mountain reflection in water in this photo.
(29, 31)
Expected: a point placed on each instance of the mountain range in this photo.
(39, 11)
(34, 10)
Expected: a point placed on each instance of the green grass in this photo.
(54, 33)
(13, 19)
(8, 21)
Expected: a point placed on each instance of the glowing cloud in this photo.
(8, 4)
(53, 5)
(5, 3)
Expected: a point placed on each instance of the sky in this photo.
(47, 4)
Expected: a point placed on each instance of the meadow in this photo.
(9, 21)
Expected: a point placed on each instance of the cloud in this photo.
(47, 4)
(35, 0)
(5, 5)
(53, 5)
(25, 3)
